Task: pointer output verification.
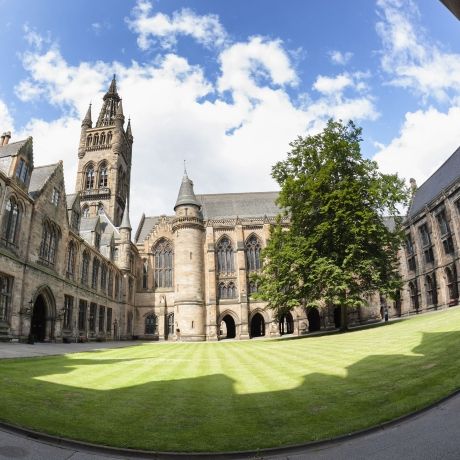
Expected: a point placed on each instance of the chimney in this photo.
(2, 139)
(413, 185)
(7, 137)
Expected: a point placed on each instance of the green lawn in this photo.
(237, 395)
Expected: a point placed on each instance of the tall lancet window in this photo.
(103, 175)
(163, 260)
(253, 248)
(225, 259)
(89, 178)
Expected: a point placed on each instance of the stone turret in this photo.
(188, 232)
(124, 256)
(85, 125)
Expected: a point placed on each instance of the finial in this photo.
(185, 169)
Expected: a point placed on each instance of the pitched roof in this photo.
(40, 176)
(226, 205)
(88, 224)
(441, 179)
(223, 205)
(12, 148)
(70, 198)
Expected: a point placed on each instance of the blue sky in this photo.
(227, 85)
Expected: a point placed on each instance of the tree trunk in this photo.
(343, 317)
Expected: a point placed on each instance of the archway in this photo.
(38, 322)
(314, 320)
(228, 328)
(286, 324)
(257, 325)
(337, 317)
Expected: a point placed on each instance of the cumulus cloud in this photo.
(206, 30)
(416, 152)
(230, 128)
(6, 121)
(410, 58)
(337, 57)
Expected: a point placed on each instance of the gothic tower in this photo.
(104, 160)
(188, 229)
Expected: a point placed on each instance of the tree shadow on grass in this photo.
(207, 414)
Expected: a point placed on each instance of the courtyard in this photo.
(228, 395)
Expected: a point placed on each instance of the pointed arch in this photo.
(103, 176)
(85, 211)
(12, 220)
(224, 255)
(43, 320)
(452, 285)
(89, 177)
(253, 248)
(163, 256)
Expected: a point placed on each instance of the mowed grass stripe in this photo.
(236, 395)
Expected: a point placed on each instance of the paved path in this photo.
(431, 435)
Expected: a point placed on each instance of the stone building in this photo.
(430, 259)
(71, 270)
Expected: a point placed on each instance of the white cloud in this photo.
(34, 39)
(206, 30)
(410, 57)
(426, 139)
(6, 121)
(177, 113)
(331, 85)
(337, 57)
(245, 64)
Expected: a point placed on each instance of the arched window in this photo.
(85, 268)
(103, 176)
(252, 287)
(110, 287)
(95, 276)
(85, 211)
(225, 262)
(163, 263)
(48, 246)
(109, 138)
(452, 286)
(227, 290)
(96, 139)
(103, 278)
(100, 209)
(170, 325)
(431, 294)
(11, 221)
(150, 324)
(145, 267)
(89, 140)
(102, 139)
(70, 267)
(413, 291)
(89, 178)
(253, 248)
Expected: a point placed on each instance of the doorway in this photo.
(38, 322)
(257, 326)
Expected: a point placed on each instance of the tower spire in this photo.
(87, 120)
(186, 193)
(125, 223)
(109, 106)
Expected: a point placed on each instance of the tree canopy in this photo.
(337, 247)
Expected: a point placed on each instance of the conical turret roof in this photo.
(87, 120)
(186, 194)
(125, 223)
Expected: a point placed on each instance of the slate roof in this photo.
(88, 224)
(186, 194)
(442, 178)
(224, 206)
(147, 226)
(40, 175)
(227, 205)
(11, 149)
(70, 198)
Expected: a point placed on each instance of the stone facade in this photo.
(71, 270)
(430, 260)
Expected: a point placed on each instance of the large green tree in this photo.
(336, 248)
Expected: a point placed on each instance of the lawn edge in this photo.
(229, 455)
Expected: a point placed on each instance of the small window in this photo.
(101, 322)
(82, 315)
(55, 196)
(22, 170)
(150, 324)
(6, 289)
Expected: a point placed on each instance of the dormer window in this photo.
(22, 170)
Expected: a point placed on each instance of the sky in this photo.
(227, 85)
